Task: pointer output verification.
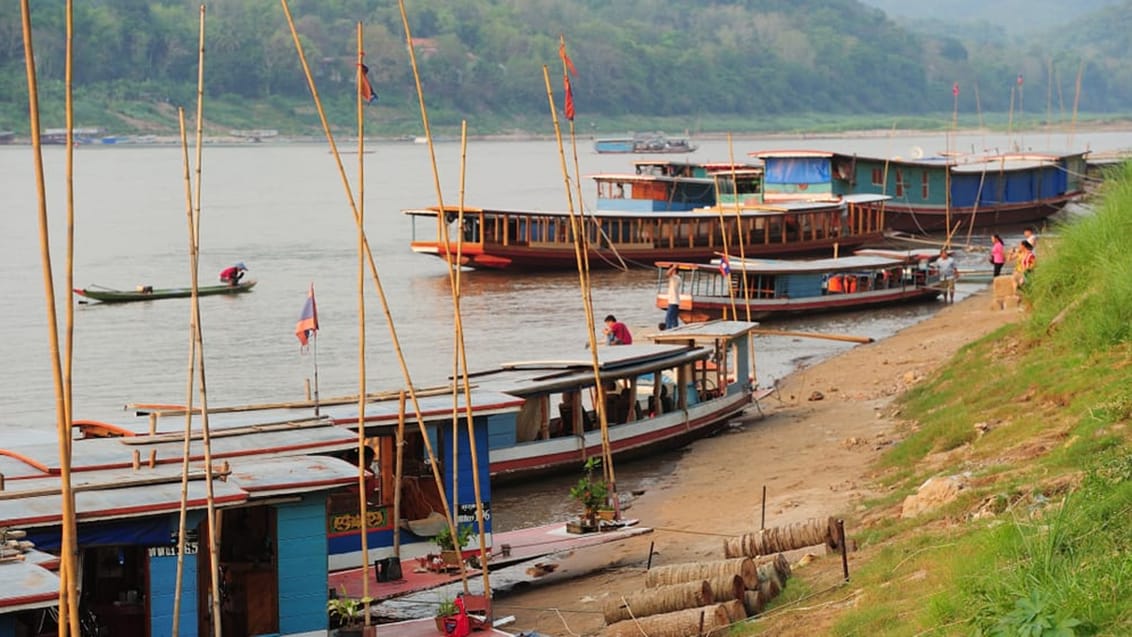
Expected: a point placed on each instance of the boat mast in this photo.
(362, 500)
(68, 591)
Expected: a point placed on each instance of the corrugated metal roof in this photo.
(26, 586)
(708, 330)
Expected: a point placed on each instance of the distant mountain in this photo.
(1015, 17)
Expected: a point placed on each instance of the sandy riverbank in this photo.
(814, 456)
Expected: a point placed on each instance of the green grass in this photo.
(1039, 543)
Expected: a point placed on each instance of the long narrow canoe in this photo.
(107, 295)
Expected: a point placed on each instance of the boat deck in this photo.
(525, 545)
(426, 627)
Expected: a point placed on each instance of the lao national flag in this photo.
(308, 319)
(369, 96)
(725, 266)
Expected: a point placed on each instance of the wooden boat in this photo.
(927, 194)
(777, 288)
(685, 384)
(149, 293)
(542, 240)
(644, 143)
(662, 185)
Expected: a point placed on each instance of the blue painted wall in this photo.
(7, 626)
(467, 497)
(303, 581)
(501, 430)
(162, 586)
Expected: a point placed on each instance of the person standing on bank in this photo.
(947, 274)
(1029, 237)
(232, 274)
(672, 315)
(997, 254)
(616, 333)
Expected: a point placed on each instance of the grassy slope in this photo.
(1040, 543)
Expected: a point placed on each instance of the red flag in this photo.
(369, 96)
(955, 89)
(308, 319)
(569, 108)
(1019, 79)
(566, 58)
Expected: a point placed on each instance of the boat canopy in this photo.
(708, 331)
(26, 586)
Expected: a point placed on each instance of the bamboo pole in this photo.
(362, 508)
(453, 269)
(462, 352)
(583, 281)
(186, 452)
(179, 410)
(369, 257)
(68, 593)
(1076, 102)
(832, 337)
(194, 261)
(397, 475)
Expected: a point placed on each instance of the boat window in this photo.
(878, 177)
(899, 182)
(925, 179)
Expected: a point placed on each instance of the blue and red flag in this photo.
(369, 96)
(725, 266)
(308, 319)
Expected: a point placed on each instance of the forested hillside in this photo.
(1030, 17)
(706, 60)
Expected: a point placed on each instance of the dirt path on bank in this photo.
(814, 456)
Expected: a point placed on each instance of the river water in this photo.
(281, 209)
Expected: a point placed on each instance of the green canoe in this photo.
(107, 295)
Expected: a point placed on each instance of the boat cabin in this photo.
(668, 185)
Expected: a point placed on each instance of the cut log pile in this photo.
(705, 598)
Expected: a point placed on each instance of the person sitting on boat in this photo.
(232, 274)
(948, 273)
(616, 333)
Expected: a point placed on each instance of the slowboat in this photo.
(660, 185)
(683, 385)
(774, 287)
(543, 240)
(644, 143)
(150, 293)
(929, 193)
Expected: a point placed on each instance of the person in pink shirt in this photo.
(997, 254)
(232, 274)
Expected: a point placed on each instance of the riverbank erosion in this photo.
(814, 450)
(981, 461)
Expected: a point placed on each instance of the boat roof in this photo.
(112, 494)
(575, 371)
(378, 412)
(915, 254)
(40, 459)
(646, 177)
(699, 213)
(959, 162)
(707, 331)
(806, 266)
(26, 586)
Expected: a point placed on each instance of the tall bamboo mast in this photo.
(194, 271)
(369, 260)
(68, 593)
(453, 282)
(186, 450)
(362, 508)
(583, 283)
(68, 405)
(462, 352)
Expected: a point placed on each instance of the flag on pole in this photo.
(955, 89)
(725, 266)
(369, 96)
(308, 319)
(568, 107)
(1019, 79)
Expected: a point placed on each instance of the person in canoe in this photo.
(233, 273)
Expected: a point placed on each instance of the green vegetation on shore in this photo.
(1035, 418)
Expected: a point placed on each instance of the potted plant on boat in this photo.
(452, 551)
(593, 494)
(445, 610)
(349, 615)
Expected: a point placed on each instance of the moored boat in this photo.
(662, 185)
(543, 240)
(932, 193)
(683, 385)
(768, 288)
(150, 293)
(644, 143)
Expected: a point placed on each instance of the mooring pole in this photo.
(762, 522)
(651, 545)
(844, 551)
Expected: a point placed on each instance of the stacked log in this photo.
(776, 568)
(716, 622)
(676, 573)
(727, 587)
(784, 538)
(736, 611)
(661, 599)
